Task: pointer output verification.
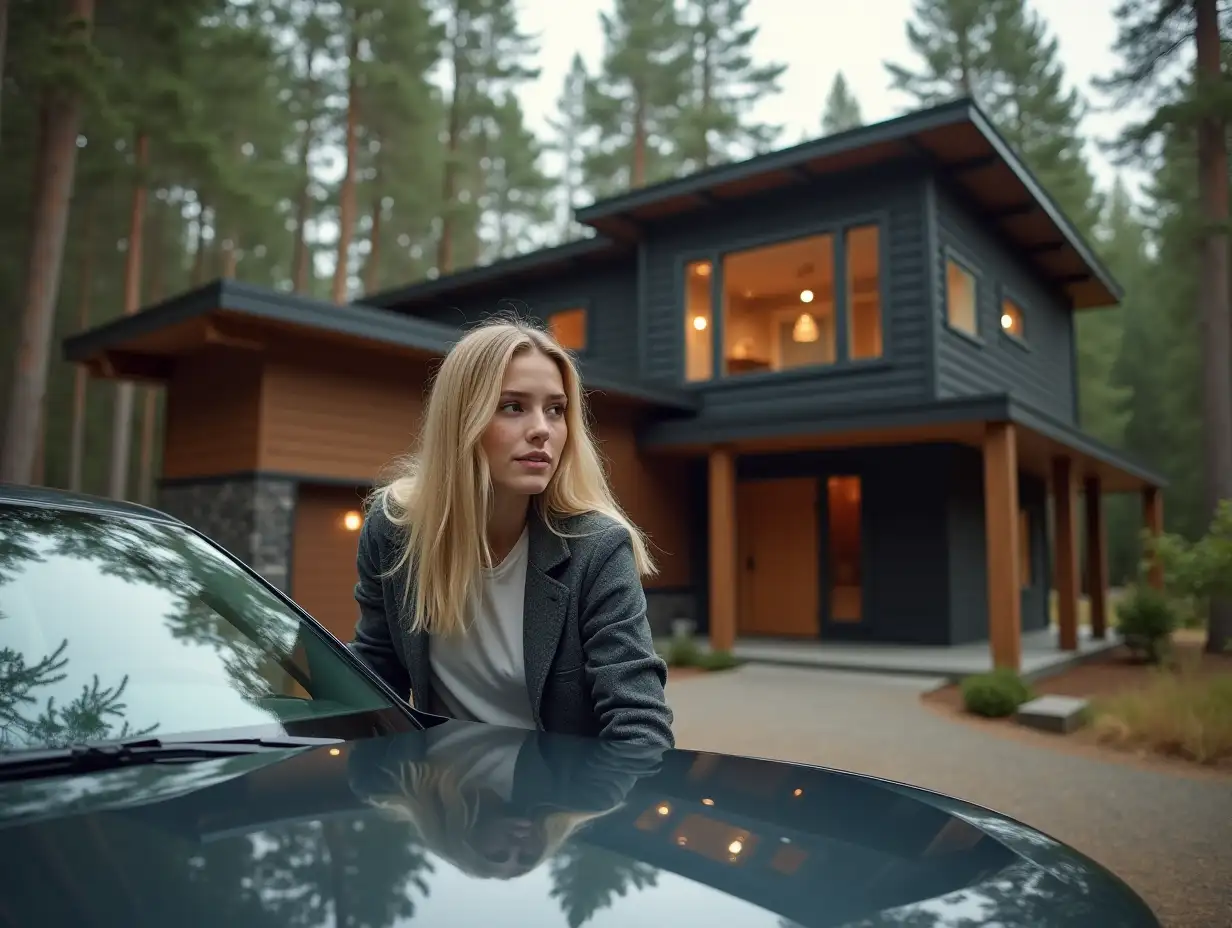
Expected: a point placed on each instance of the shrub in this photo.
(995, 694)
(682, 652)
(1146, 619)
(1180, 714)
(718, 660)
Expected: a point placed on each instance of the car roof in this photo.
(49, 498)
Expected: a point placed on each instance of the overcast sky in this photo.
(816, 40)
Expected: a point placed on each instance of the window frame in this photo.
(950, 256)
(843, 362)
(546, 311)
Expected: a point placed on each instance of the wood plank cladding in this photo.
(338, 412)
(653, 491)
(323, 575)
(213, 414)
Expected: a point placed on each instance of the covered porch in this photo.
(1006, 561)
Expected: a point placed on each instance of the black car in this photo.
(181, 744)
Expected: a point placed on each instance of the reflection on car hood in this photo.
(471, 825)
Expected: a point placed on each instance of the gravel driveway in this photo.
(1179, 856)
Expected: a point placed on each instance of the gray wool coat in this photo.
(591, 667)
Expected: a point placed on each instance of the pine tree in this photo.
(954, 40)
(724, 85)
(842, 110)
(1152, 35)
(633, 104)
(569, 146)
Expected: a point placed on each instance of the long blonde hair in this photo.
(440, 495)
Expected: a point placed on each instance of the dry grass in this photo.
(1180, 712)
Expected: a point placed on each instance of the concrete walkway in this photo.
(1169, 836)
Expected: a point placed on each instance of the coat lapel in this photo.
(545, 607)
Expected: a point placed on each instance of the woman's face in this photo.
(527, 434)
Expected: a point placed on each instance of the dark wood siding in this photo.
(608, 292)
(968, 563)
(323, 556)
(1039, 372)
(893, 197)
(905, 589)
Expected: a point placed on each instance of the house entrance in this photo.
(844, 551)
(778, 557)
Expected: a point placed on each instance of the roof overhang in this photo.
(957, 143)
(229, 314)
(963, 420)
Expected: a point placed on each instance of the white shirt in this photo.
(480, 676)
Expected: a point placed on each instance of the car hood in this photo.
(471, 825)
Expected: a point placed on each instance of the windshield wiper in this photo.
(91, 758)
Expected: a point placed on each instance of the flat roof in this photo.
(138, 334)
(959, 144)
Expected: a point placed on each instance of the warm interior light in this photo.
(334, 752)
(736, 846)
(699, 323)
(352, 521)
(805, 329)
(707, 802)
(703, 270)
(664, 809)
(806, 296)
(1007, 321)
(797, 792)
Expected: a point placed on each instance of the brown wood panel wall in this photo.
(654, 491)
(212, 414)
(323, 571)
(337, 411)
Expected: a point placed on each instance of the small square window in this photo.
(568, 326)
(1011, 319)
(960, 299)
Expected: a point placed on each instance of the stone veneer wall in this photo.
(253, 517)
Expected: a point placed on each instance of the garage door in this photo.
(327, 521)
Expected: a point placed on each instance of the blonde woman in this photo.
(499, 581)
(496, 802)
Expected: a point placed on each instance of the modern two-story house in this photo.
(836, 384)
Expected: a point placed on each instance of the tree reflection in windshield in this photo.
(60, 603)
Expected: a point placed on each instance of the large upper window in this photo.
(960, 297)
(780, 306)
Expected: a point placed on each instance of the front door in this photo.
(776, 522)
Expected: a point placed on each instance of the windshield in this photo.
(117, 627)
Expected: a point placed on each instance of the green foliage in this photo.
(1146, 619)
(995, 694)
(683, 652)
(842, 110)
(1198, 570)
(718, 660)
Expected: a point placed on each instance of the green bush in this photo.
(718, 660)
(995, 694)
(683, 652)
(1146, 619)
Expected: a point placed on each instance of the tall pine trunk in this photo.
(149, 394)
(4, 39)
(1213, 311)
(453, 143)
(372, 268)
(299, 253)
(346, 197)
(60, 116)
(122, 421)
(81, 379)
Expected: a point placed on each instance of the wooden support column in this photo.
(1097, 557)
(723, 575)
(1001, 543)
(1065, 529)
(1153, 522)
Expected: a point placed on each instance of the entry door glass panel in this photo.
(846, 583)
